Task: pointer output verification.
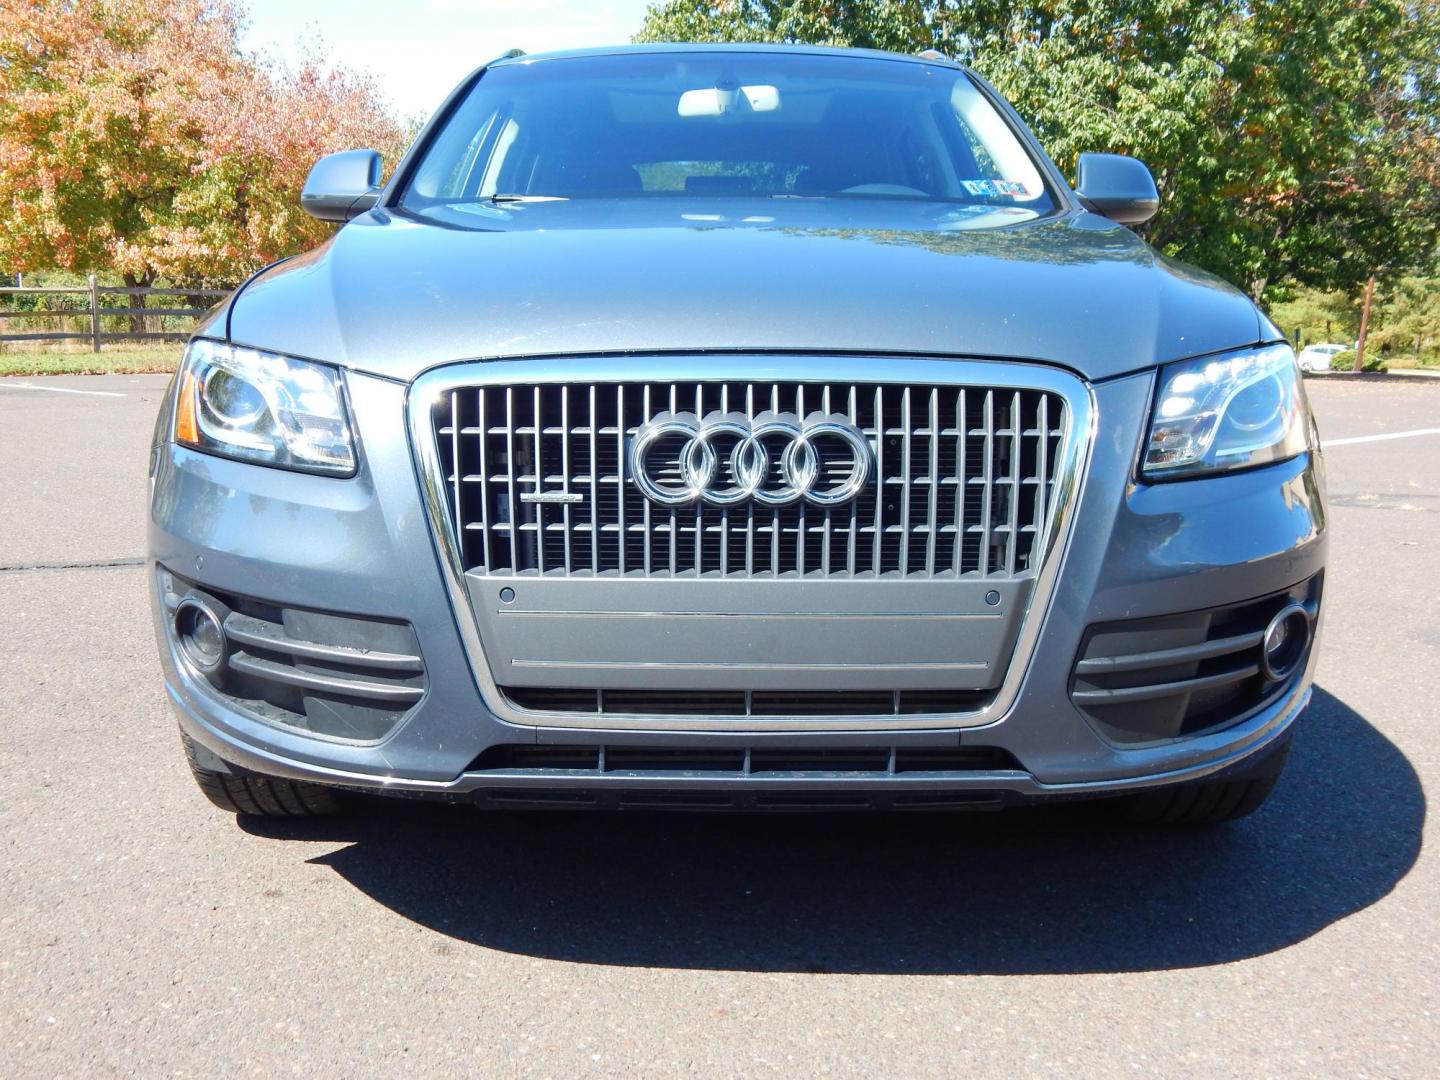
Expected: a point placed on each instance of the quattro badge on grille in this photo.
(551, 497)
(774, 459)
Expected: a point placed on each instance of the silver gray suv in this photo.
(711, 427)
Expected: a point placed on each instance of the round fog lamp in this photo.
(201, 636)
(1286, 639)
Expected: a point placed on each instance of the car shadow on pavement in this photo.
(1046, 890)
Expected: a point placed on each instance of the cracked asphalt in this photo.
(143, 933)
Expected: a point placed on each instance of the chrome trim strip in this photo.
(1074, 455)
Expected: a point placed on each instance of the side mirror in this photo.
(1118, 187)
(340, 186)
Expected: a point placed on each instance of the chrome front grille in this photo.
(536, 478)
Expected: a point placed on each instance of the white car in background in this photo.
(1318, 357)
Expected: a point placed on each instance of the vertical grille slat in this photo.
(775, 514)
(540, 535)
(511, 515)
(826, 528)
(855, 505)
(485, 511)
(961, 484)
(649, 529)
(800, 534)
(750, 508)
(620, 475)
(699, 510)
(905, 482)
(674, 514)
(878, 524)
(1017, 427)
(1042, 469)
(593, 424)
(457, 509)
(962, 492)
(565, 470)
(933, 517)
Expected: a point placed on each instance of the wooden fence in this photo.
(80, 313)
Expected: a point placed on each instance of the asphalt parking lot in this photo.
(144, 933)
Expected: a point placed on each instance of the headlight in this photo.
(264, 408)
(1227, 412)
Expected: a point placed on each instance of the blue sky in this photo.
(419, 50)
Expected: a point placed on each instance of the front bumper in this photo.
(364, 546)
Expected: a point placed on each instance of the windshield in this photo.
(731, 124)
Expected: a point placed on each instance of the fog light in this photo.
(200, 630)
(1286, 639)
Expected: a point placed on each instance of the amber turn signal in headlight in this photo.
(263, 408)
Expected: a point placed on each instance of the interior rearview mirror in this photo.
(720, 101)
(1119, 187)
(341, 186)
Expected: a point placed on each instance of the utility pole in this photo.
(1364, 324)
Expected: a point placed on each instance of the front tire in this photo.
(1208, 802)
(253, 795)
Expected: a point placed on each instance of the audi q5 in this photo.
(744, 427)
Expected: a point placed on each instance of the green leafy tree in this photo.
(1294, 141)
(1404, 319)
(898, 25)
(1407, 319)
(1318, 316)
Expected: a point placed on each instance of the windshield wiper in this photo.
(503, 198)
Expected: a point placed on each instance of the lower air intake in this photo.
(1148, 679)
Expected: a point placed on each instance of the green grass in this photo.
(71, 360)
(1428, 362)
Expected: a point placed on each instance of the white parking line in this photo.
(6, 385)
(1327, 443)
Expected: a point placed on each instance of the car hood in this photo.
(396, 294)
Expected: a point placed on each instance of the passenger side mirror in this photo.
(1118, 187)
(341, 186)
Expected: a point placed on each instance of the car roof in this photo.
(518, 58)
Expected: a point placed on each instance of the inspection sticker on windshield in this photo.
(1012, 189)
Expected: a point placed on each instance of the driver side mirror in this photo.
(342, 186)
(1119, 187)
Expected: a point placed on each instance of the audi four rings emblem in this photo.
(728, 458)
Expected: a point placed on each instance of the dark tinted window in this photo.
(727, 124)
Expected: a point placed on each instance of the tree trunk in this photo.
(1364, 324)
(137, 322)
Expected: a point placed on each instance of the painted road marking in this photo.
(1325, 444)
(7, 385)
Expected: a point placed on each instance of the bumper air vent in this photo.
(1149, 679)
(326, 674)
(741, 761)
(691, 704)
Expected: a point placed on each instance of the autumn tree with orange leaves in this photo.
(137, 138)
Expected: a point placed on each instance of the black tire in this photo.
(1208, 802)
(253, 795)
